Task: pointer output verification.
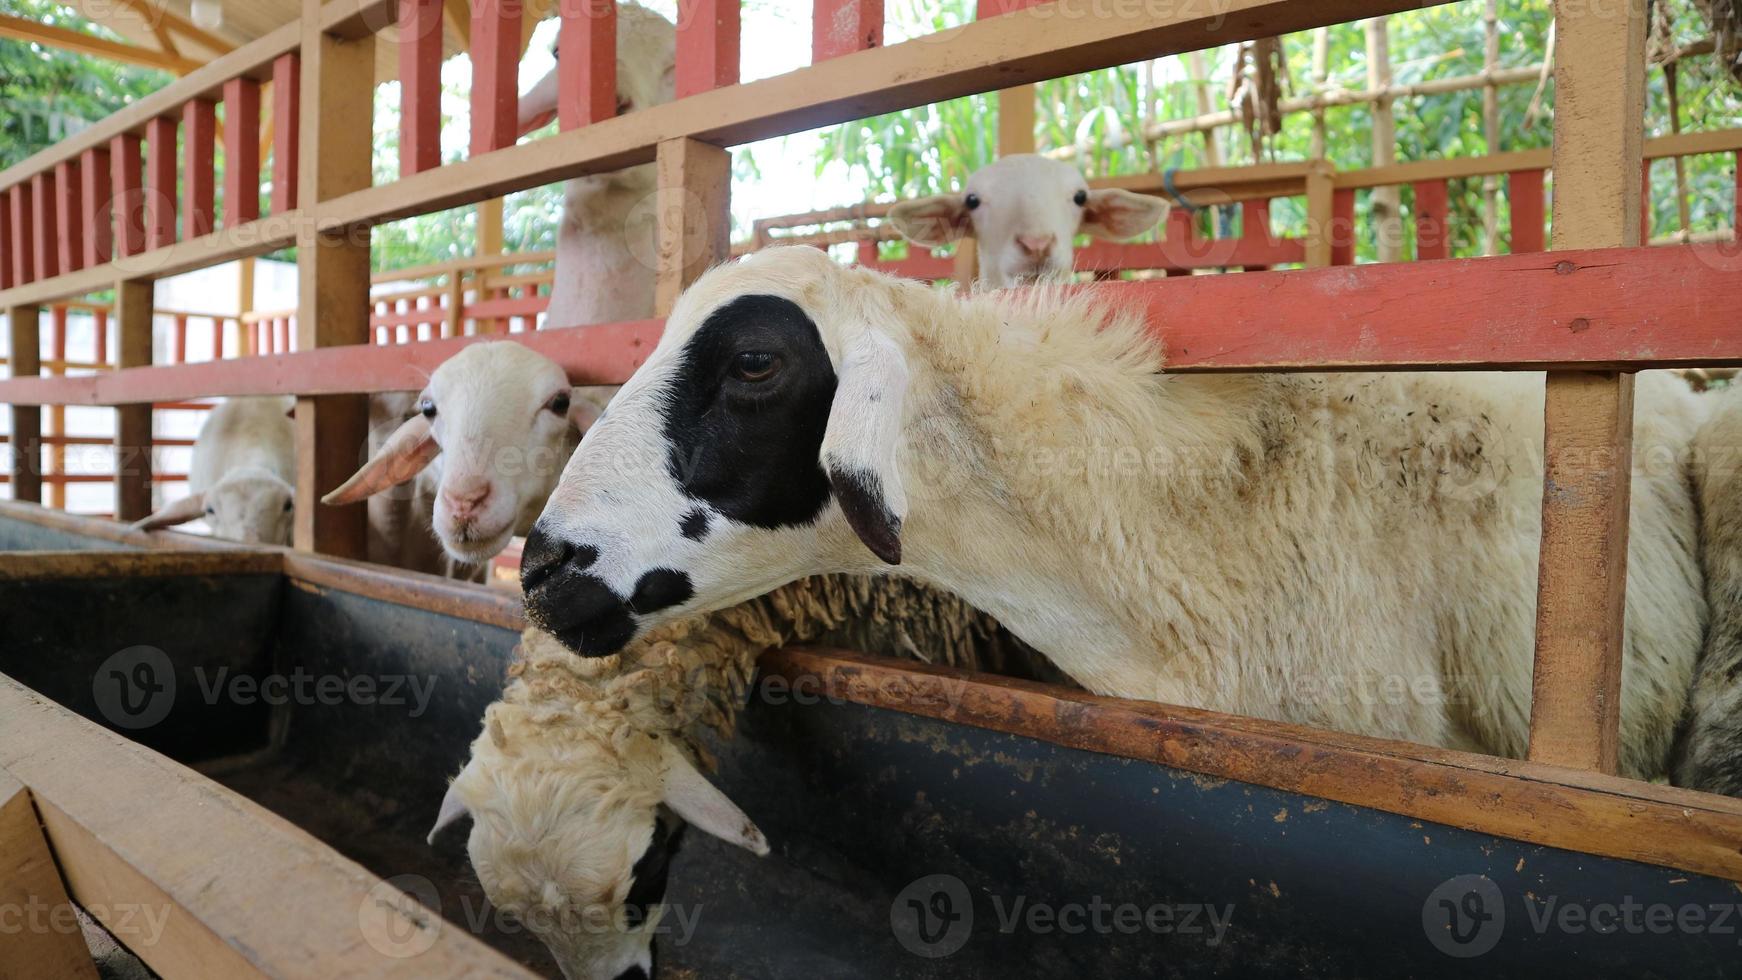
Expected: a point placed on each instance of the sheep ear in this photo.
(861, 440)
(404, 456)
(538, 106)
(931, 220)
(453, 808)
(583, 410)
(180, 512)
(700, 803)
(1113, 212)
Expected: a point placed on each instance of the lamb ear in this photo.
(1114, 212)
(583, 410)
(699, 802)
(861, 440)
(404, 456)
(453, 808)
(931, 220)
(180, 512)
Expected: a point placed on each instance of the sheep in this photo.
(1709, 756)
(243, 477)
(605, 246)
(587, 769)
(1355, 552)
(1024, 211)
(485, 443)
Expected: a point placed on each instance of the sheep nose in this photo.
(465, 497)
(1036, 245)
(565, 600)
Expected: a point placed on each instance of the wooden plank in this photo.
(69, 214)
(198, 139)
(420, 85)
(1255, 227)
(695, 187)
(1431, 213)
(50, 35)
(24, 342)
(261, 898)
(23, 242)
(497, 607)
(1588, 419)
(6, 270)
(495, 67)
(241, 151)
(1343, 232)
(286, 129)
(333, 273)
(160, 182)
(96, 171)
(42, 199)
(586, 62)
(1524, 194)
(44, 938)
(841, 27)
(707, 46)
(20, 566)
(1321, 202)
(134, 300)
(128, 181)
(1541, 804)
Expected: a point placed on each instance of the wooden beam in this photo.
(79, 42)
(23, 566)
(44, 939)
(1588, 418)
(695, 187)
(332, 277)
(24, 340)
(133, 319)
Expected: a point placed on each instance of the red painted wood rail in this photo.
(241, 151)
(42, 196)
(6, 271)
(198, 138)
(96, 172)
(707, 46)
(286, 120)
(23, 242)
(586, 62)
(420, 85)
(1524, 192)
(1432, 238)
(127, 180)
(495, 66)
(69, 214)
(159, 192)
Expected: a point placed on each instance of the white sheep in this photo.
(1709, 756)
(1351, 551)
(587, 768)
(243, 477)
(1024, 212)
(605, 246)
(484, 443)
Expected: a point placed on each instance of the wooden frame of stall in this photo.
(1594, 309)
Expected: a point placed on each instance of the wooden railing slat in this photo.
(420, 85)
(160, 183)
(241, 151)
(42, 199)
(286, 129)
(127, 180)
(707, 46)
(586, 62)
(495, 70)
(69, 214)
(198, 140)
(96, 171)
(1431, 225)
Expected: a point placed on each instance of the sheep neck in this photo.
(604, 252)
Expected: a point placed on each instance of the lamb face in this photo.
(500, 419)
(1024, 211)
(748, 450)
(251, 506)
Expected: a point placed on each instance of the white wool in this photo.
(243, 477)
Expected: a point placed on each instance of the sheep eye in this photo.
(427, 407)
(287, 505)
(1082, 198)
(755, 366)
(559, 403)
(210, 511)
(972, 201)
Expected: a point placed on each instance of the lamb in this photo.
(1024, 211)
(1355, 552)
(605, 247)
(243, 477)
(1709, 756)
(485, 443)
(566, 783)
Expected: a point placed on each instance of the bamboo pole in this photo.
(1491, 125)
(1199, 75)
(1321, 80)
(1387, 202)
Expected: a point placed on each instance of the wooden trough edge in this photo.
(1548, 805)
(1540, 804)
(261, 897)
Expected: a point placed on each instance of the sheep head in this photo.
(497, 421)
(1024, 212)
(248, 504)
(756, 444)
(574, 825)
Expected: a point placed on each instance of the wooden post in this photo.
(1321, 212)
(244, 303)
(1491, 124)
(198, 135)
(160, 182)
(134, 299)
(586, 62)
(495, 67)
(1387, 202)
(695, 186)
(286, 129)
(707, 46)
(333, 277)
(69, 214)
(6, 270)
(1588, 416)
(29, 879)
(1342, 226)
(42, 193)
(241, 151)
(1321, 80)
(24, 329)
(841, 27)
(1524, 193)
(95, 169)
(23, 243)
(127, 178)
(54, 474)
(1431, 227)
(420, 85)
